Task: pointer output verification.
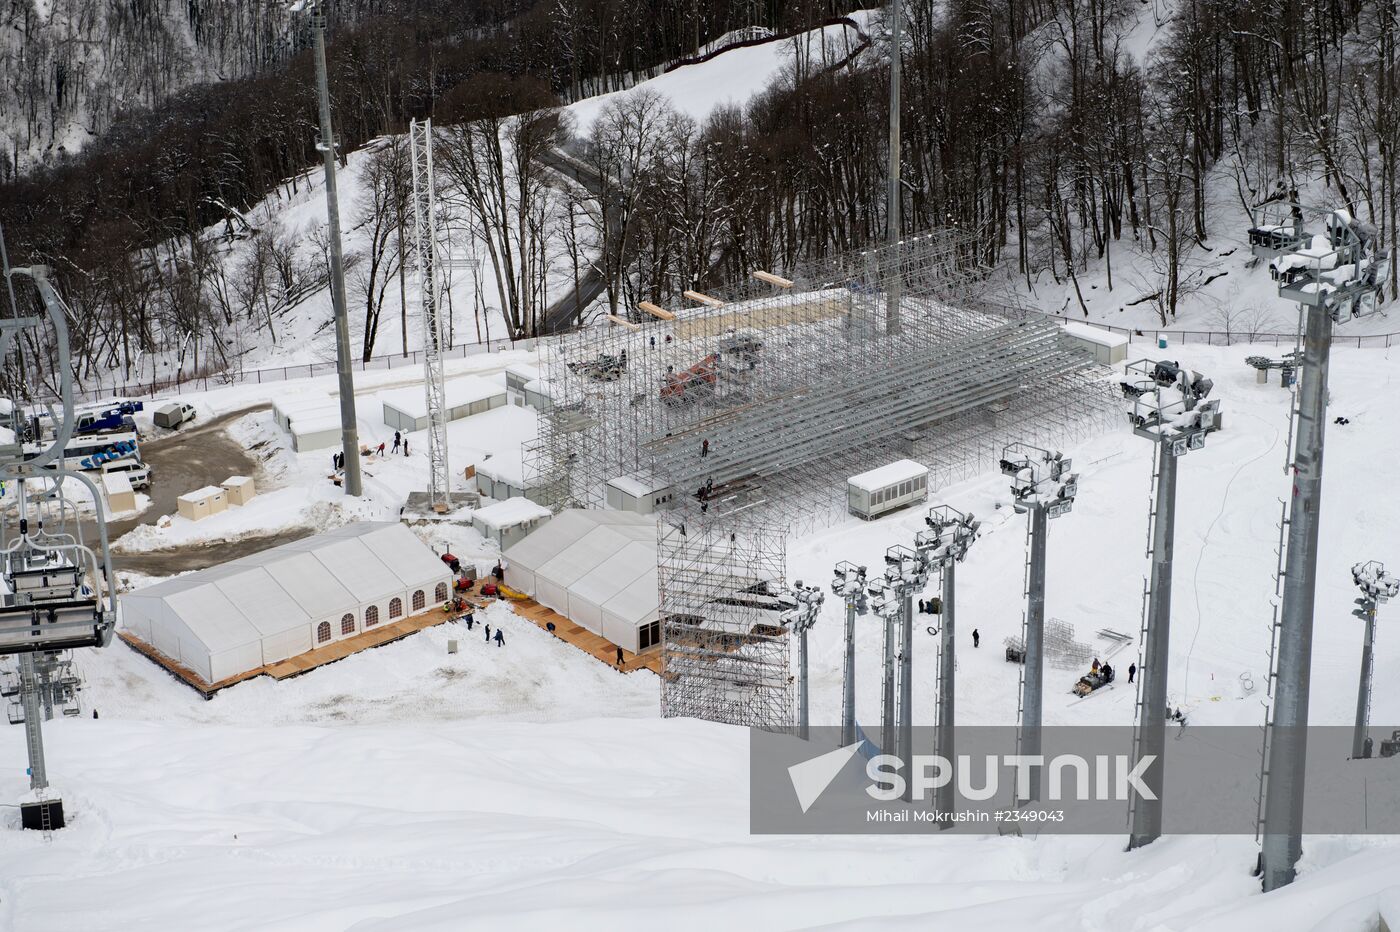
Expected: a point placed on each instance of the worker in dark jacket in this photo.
(976, 638)
(500, 638)
(488, 632)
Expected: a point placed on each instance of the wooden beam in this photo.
(776, 281)
(660, 313)
(699, 298)
(626, 323)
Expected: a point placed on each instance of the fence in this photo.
(205, 381)
(1228, 338)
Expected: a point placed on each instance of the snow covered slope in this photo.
(530, 787)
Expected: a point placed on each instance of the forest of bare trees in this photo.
(1037, 124)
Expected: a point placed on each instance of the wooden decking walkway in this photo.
(295, 666)
(588, 642)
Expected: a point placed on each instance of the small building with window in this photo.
(406, 409)
(509, 522)
(634, 493)
(596, 568)
(888, 488)
(232, 619)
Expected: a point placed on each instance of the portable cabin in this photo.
(537, 395)
(517, 377)
(239, 489)
(1105, 346)
(632, 493)
(315, 431)
(407, 408)
(510, 521)
(201, 503)
(886, 489)
(120, 497)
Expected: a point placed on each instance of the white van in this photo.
(136, 472)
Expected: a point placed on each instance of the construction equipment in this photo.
(690, 385)
(1390, 747)
(604, 368)
(1096, 679)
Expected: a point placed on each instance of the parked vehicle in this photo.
(174, 414)
(98, 422)
(136, 472)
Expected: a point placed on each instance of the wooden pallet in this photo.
(599, 647)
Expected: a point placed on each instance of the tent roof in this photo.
(604, 557)
(297, 583)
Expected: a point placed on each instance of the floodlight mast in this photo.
(349, 432)
(801, 618)
(906, 572)
(1042, 487)
(1167, 408)
(1323, 295)
(944, 544)
(849, 583)
(1376, 586)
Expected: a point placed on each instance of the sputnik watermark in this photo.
(1109, 777)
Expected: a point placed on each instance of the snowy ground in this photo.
(530, 787)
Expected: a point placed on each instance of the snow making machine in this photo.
(56, 585)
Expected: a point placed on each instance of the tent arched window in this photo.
(347, 622)
(395, 607)
(440, 593)
(420, 600)
(323, 632)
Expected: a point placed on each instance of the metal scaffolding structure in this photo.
(726, 623)
(420, 138)
(751, 407)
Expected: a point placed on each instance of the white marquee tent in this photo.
(598, 568)
(266, 607)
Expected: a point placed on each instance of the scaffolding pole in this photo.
(1288, 740)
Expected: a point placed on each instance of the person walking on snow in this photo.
(619, 656)
(488, 632)
(976, 638)
(470, 619)
(500, 638)
(380, 451)
(397, 440)
(405, 446)
(1132, 671)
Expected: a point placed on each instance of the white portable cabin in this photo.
(538, 396)
(632, 493)
(1105, 346)
(598, 569)
(120, 497)
(235, 617)
(286, 410)
(890, 487)
(407, 408)
(239, 489)
(201, 503)
(502, 478)
(510, 521)
(315, 431)
(518, 376)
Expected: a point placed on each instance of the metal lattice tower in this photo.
(1328, 284)
(1042, 487)
(800, 621)
(1376, 586)
(1167, 409)
(420, 135)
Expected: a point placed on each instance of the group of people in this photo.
(400, 441)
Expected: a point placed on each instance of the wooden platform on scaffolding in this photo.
(599, 647)
(302, 663)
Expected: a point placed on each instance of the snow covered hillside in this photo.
(529, 786)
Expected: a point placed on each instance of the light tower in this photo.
(1042, 487)
(886, 603)
(848, 583)
(944, 545)
(1328, 284)
(1167, 409)
(349, 433)
(906, 572)
(1376, 586)
(420, 136)
(801, 619)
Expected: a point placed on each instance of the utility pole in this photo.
(1175, 424)
(906, 572)
(848, 583)
(420, 135)
(893, 196)
(349, 435)
(949, 536)
(1376, 586)
(1042, 487)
